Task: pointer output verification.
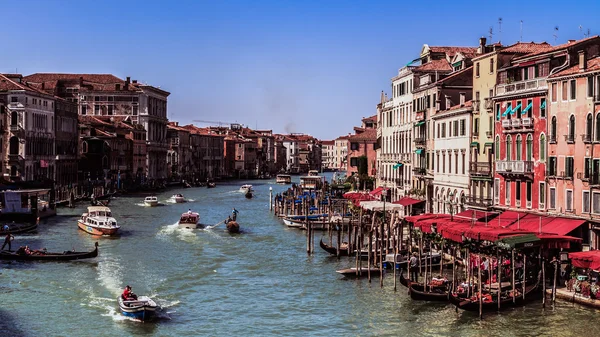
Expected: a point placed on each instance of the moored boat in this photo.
(211, 185)
(490, 301)
(41, 255)
(283, 179)
(363, 272)
(189, 220)
(98, 221)
(18, 228)
(151, 201)
(333, 250)
(178, 198)
(142, 308)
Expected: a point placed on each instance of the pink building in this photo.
(362, 144)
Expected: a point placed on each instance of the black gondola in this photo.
(47, 256)
(419, 293)
(17, 229)
(248, 195)
(505, 302)
(333, 250)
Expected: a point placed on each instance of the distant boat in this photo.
(189, 220)
(211, 185)
(142, 308)
(151, 201)
(18, 228)
(98, 221)
(246, 188)
(351, 272)
(178, 198)
(283, 179)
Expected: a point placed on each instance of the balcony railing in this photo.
(516, 123)
(489, 103)
(552, 139)
(570, 138)
(586, 138)
(476, 104)
(521, 86)
(480, 169)
(16, 128)
(489, 134)
(15, 157)
(527, 122)
(479, 201)
(506, 123)
(514, 166)
(420, 140)
(419, 171)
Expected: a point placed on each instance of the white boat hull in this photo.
(151, 203)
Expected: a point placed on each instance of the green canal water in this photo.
(211, 283)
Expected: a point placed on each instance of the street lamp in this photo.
(451, 203)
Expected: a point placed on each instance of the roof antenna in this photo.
(521, 38)
(500, 30)
(555, 33)
(581, 30)
(491, 34)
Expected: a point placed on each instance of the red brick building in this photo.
(363, 143)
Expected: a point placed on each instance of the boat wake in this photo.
(110, 275)
(184, 234)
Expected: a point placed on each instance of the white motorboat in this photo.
(283, 179)
(142, 308)
(189, 220)
(178, 198)
(98, 221)
(151, 201)
(246, 188)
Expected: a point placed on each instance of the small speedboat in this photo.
(151, 201)
(189, 220)
(246, 188)
(178, 198)
(143, 308)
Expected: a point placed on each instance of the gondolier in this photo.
(414, 268)
(234, 214)
(7, 240)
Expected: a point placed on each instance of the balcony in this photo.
(521, 87)
(479, 202)
(481, 169)
(527, 122)
(489, 103)
(476, 104)
(16, 129)
(506, 123)
(420, 141)
(516, 123)
(420, 115)
(489, 134)
(586, 138)
(420, 171)
(514, 167)
(570, 139)
(15, 158)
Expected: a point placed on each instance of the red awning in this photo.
(427, 224)
(407, 201)
(557, 241)
(471, 214)
(589, 259)
(378, 191)
(415, 218)
(507, 218)
(562, 226)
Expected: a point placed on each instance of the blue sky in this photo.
(315, 67)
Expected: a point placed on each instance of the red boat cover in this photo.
(589, 259)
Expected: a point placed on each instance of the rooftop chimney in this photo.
(134, 82)
(128, 79)
(462, 98)
(80, 81)
(571, 41)
(43, 85)
(582, 61)
(482, 41)
(118, 86)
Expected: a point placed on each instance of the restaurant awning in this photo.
(518, 241)
(379, 206)
(562, 226)
(589, 259)
(415, 218)
(378, 191)
(407, 201)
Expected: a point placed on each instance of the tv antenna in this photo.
(491, 34)
(500, 30)
(581, 30)
(521, 37)
(555, 33)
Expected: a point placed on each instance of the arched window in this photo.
(508, 147)
(519, 147)
(497, 146)
(588, 128)
(572, 128)
(543, 146)
(598, 127)
(553, 130)
(84, 147)
(13, 145)
(529, 147)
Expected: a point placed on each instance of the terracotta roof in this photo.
(370, 119)
(467, 104)
(433, 65)
(592, 65)
(342, 137)
(328, 142)
(451, 51)
(8, 82)
(368, 134)
(561, 46)
(95, 82)
(527, 48)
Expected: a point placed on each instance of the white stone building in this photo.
(451, 147)
(328, 154)
(341, 153)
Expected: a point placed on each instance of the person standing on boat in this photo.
(7, 240)
(414, 268)
(234, 214)
(128, 295)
